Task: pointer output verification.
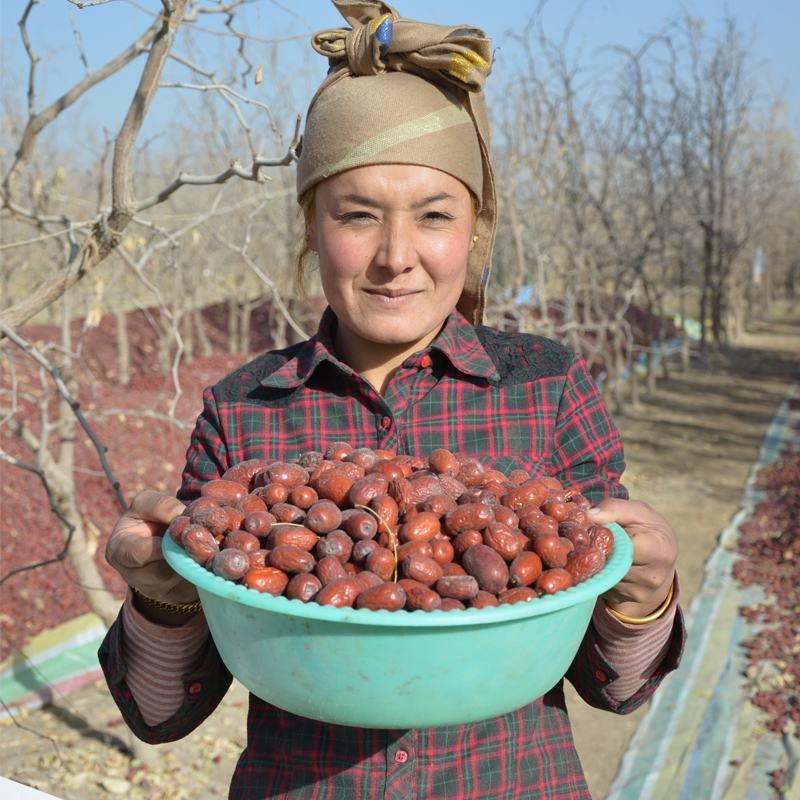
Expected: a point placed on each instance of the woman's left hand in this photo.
(655, 553)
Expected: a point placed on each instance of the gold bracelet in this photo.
(651, 617)
(174, 608)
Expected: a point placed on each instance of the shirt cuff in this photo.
(195, 629)
(612, 629)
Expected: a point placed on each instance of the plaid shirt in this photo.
(514, 399)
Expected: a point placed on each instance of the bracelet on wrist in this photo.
(161, 605)
(651, 617)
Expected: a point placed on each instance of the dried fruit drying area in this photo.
(689, 450)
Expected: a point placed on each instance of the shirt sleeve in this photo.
(157, 657)
(636, 651)
(175, 673)
(587, 445)
(207, 455)
(201, 688)
(619, 666)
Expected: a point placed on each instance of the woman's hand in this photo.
(655, 552)
(134, 548)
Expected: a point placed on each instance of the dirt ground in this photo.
(689, 450)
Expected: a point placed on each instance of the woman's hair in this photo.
(305, 252)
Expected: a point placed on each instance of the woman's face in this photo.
(393, 242)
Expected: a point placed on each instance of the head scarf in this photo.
(407, 92)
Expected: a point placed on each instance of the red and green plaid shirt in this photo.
(512, 399)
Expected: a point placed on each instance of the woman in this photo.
(398, 192)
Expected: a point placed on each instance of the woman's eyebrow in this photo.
(433, 199)
(363, 200)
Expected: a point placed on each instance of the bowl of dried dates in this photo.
(359, 587)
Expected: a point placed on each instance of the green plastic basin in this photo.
(401, 669)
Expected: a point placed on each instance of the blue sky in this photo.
(106, 29)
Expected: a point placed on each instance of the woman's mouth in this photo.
(392, 296)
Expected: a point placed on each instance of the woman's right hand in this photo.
(134, 548)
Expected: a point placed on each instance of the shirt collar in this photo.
(458, 341)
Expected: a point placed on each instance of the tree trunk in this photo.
(278, 327)
(186, 328)
(244, 326)
(651, 371)
(200, 329)
(61, 476)
(123, 347)
(233, 321)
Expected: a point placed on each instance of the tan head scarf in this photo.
(401, 91)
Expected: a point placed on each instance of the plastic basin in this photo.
(402, 669)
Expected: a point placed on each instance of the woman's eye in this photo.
(437, 216)
(354, 216)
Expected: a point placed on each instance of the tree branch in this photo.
(70, 528)
(74, 406)
(251, 173)
(106, 232)
(37, 122)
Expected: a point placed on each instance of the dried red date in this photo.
(323, 516)
(348, 523)
(286, 512)
(484, 600)
(290, 475)
(385, 597)
(267, 580)
(584, 561)
(487, 567)
(259, 523)
(230, 564)
(199, 543)
(519, 595)
(177, 527)
(422, 528)
(303, 587)
(341, 593)
(226, 492)
(422, 569)
(553, 580)
(525, 569)
(381, 562)
(359, 524)
(602, 538)
(329, 569)
(291, 559)
(458, 587)
(362, 550)
(336, 543)
(241, 540)
(469, 516)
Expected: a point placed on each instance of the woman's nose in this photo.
(396, 252)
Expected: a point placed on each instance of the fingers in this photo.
(136, 538)
(134, 548)
(627, 513)
(655, 549)
(158, 507)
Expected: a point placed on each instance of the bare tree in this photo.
(64, 250)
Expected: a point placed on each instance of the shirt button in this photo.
(600, 675)
(195, 688)
(386, 422)
(425, 361)
(401, 756)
